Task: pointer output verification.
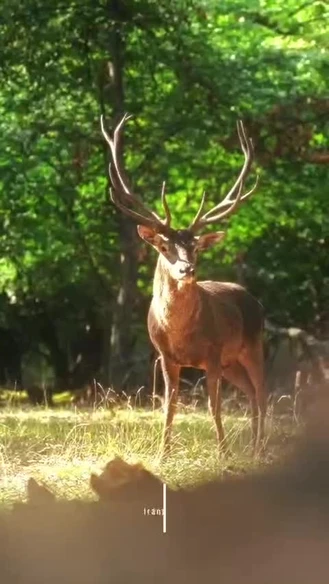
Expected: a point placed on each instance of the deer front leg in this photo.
(171, 373)
(214, 387)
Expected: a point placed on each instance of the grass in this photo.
(63, 445)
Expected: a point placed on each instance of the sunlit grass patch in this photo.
(62, 446)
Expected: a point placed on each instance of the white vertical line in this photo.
(164, 529)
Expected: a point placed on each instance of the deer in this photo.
(213, 326)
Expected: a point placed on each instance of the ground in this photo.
(63, 445)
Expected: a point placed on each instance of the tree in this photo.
(186, 71)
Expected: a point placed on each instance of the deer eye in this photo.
(163, 247)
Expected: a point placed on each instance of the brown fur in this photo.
(214, 326)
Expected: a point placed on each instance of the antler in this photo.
(228, 205)
(122, 196)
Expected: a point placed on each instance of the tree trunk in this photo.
(122, 333)
(121, 337)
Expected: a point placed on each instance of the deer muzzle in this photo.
(186, 271)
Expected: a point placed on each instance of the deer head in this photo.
(178, 248)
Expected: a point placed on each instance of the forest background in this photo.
(75, 280)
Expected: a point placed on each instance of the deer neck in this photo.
(174, 302)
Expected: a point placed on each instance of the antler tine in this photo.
(126, 198)
(165, 205)
(227, 205)
(141, 219)
(116, 142)
(113, 144)
(198, 215)
(121, 195)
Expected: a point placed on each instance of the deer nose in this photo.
(187, 270)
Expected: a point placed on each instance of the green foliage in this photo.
(189, 70)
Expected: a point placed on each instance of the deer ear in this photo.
(150, 235)
(209, 239)
(147, 233)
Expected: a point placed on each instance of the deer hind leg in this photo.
(252, 359)
(171, 378)
(237, 375)
(214, 390)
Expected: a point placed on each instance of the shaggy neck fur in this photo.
(174, 301)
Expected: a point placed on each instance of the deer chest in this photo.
(187, 346)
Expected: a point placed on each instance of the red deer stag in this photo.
(213, 326)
